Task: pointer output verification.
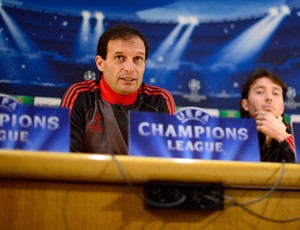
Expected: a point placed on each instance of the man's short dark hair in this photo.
(259, 73)
(119, 32)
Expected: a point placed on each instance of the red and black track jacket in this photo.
(98, 126)
(277, 151)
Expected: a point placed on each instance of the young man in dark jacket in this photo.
(99, 109)
(263, 99)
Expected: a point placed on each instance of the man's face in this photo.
(264, 95)
(124, 66)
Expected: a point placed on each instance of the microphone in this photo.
(119, 106)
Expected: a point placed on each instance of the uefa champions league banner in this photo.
(192, 133)
(33, 128)
(296, 134)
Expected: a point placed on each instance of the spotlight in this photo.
(194, 21)
(99, 15)
(86, 14)
(273, 11)
(285, 10)
(182, 20)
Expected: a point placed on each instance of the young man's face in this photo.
(124, 66)
(264, 95)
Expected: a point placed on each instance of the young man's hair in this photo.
(119, 32)
(259, 73)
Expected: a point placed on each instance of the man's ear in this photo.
(244, 104)
(99, 62)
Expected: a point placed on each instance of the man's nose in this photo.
(269, 96)
(129, 65)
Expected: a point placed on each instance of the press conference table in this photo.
(46, 190)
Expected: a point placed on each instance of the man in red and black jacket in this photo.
(99, 109)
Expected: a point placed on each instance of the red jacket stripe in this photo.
(157, 89)
(74, 91)
(152, 90)
(290, 141)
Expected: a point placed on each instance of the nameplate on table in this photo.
(193, 133)
(33, 128)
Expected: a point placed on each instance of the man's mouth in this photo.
(267, 107)
(127, 79)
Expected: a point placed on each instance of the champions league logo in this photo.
(89, 75)
(201, 136)
(194, 86)
(192, 132)
(291, 103)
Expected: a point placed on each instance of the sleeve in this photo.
(287, 147)
(77, 121)
(77, 125)
(283, 151)
(170, 106)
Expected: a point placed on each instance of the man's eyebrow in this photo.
(259, 87)
(277, 88)
(142, 53)
(120, 52)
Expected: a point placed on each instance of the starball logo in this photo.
(194, 85)
(291, 102)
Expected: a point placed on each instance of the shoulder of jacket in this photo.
(84, 88)
(153, 90)
(90, 85)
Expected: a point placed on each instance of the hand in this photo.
(272, 127)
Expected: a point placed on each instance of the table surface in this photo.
(108, 168)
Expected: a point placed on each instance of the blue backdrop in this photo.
(201, 51)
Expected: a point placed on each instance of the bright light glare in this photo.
(86, 14)
(194, 21)
(99, 157)
(184, 160)
(273, 11)
(182, 20)
(247, 45)
(285, 10)
(99, 15)
(185, 20)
